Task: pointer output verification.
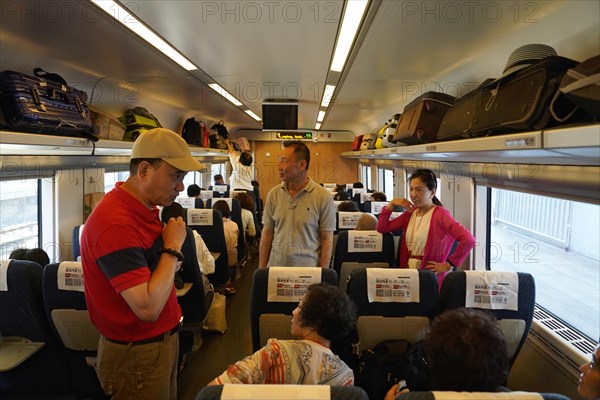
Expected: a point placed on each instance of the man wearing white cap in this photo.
(129, 288)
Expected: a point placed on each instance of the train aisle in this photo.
(219, 350)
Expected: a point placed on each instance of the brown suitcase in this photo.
(421, 118)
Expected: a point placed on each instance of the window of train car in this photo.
(557, 241)
(110, 178)
(365, 176)
(386, 182)
(19, 219)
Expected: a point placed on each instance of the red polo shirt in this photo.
(117, 253)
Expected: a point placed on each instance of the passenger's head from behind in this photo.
(325, 309)
(378, 196)
(219, 179)
(246, 159)
(358, 185)
(348, 205)
(466, 351)
(193, 190)
(221, 205)
(589, 380)
(246, 201)
(172, 211)
(366, 222)
(36, 255)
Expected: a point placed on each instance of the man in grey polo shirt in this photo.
(298, 216)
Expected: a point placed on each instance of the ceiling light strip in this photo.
(353, 14)
(119, 13)
(317, 126)
(321, 116)
(327, 95)
(253, 115)
(219, 89)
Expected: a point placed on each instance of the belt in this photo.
(157, 338)
(416, 257)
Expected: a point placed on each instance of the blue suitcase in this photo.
(31, 104)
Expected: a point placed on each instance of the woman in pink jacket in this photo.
(428, 229)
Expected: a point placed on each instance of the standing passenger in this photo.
(128, 288)
(428, 229)
(299, 215)
(241, 174)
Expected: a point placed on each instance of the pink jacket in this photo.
(443, 231)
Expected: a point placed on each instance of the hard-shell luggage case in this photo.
(520, 101)
(388, 136)
(422, 117)
(31, 104)
(381, 137)
(368, 141)
(356, 143)
(457, 121)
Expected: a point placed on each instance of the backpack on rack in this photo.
(220, 130)
(218, 134)
(192, 132)
(138, 120)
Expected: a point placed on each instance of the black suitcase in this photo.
(520, 102)
(31, 104)
(457, 121)
(420, 121)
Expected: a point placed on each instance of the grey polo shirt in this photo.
(297, 223)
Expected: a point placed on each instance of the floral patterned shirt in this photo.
(290, 362)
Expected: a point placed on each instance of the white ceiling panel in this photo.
(260, 49)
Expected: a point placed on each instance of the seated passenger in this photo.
(589, 380)
(232, 233)
(36, 255)
(340, 193)
(466, 351)
(205, 260)
(366, 222)
(325, 313)
(247, 204)
(348, 205)
(378, 196)
(193, 190)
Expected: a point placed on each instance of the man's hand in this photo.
(174, 233)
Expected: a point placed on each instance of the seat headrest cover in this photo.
(186, 202)
(365, 241)
(70, 276)
(199, 217)
(393, 285)
(348, 219)
(377, 206)
(492, 290)
(4, 275)
(486, 396)
(276, 392)
(288, 284)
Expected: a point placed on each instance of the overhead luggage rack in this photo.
(17, 143)
(579, 145)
